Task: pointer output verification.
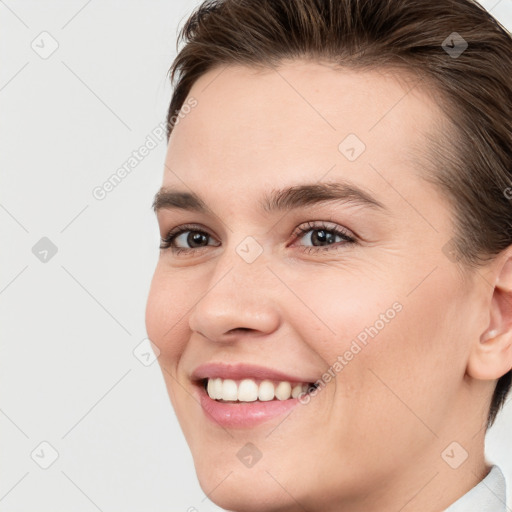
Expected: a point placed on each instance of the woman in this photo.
(333, 298)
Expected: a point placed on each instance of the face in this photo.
(344, 283)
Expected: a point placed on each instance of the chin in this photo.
(245, 491)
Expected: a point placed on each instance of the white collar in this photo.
(489, 495)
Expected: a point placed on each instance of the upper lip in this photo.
(242, 371)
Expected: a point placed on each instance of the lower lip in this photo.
(243, 414)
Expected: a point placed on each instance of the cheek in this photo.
(398, 350)
(166, 316)
(412, 370)
(338, 306)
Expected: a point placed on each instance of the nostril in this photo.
(239, 329)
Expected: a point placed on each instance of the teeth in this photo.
(215, 388)
(296, 390)
(229, 390)
(266, 391)
(283, 391)
(249, 390)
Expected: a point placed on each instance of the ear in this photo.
(491, 355)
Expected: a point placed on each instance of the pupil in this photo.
(196, 238)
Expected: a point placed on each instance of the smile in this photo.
(243, 395)
(251, 390)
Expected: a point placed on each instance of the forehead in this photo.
(254, 128)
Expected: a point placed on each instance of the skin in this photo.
(372, 439)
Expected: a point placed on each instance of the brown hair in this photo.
(470, 159)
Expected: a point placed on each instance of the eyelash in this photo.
(167, 242)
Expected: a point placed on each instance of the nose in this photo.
(238, 297)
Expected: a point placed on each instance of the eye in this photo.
(190, 238)
(190, 235)
(326, 237)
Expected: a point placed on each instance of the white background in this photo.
(68, 375)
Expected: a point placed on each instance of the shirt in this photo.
(489, 495)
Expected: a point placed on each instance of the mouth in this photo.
(254, 390)
(243, 395)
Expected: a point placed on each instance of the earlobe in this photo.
(491, 355)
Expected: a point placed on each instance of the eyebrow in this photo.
(285, 199)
